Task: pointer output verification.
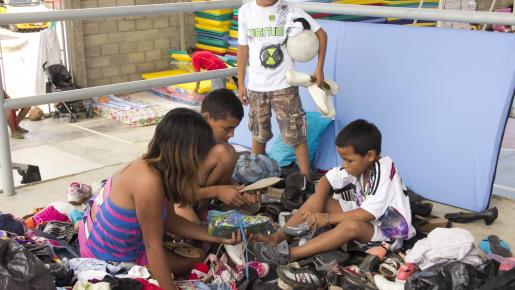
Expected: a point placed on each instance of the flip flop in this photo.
(262, 184)
(493, 245)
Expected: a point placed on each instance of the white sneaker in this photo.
(297, 79)
(235, 253)
(384, 284)
(333, 87)
(323, 100)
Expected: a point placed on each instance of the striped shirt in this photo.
(115, 234)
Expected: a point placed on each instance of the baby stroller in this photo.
(59, 79)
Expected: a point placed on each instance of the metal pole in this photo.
(481, 17)
(120, 11)
(134, 86)
(5, 148)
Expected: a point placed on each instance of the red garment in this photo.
(206, 60)
(147, 285)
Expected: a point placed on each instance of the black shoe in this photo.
(297, 190)
(421, 209)
(31, 175)
(489, 215)
(327, 260)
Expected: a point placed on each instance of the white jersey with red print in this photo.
(383, 197)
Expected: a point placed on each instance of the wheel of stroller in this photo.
(56, 114)
(73, 118)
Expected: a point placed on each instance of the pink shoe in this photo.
(405, 271)
(49, 214)
(261, 268)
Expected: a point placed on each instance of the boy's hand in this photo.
(231, 195)
(233, 240)
(318, 76)
(253, 196)
(242, 94)
(315, 220)
(268, 239)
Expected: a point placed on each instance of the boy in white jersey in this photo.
(368, 205)
(263, 28)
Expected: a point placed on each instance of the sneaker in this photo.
(235, 253)
(262, 269)
(297, 79)
(17, 135)
(21, 130)
(323, 100)
(272, 254)
(78, 192)
(331, 88)
(300, 278)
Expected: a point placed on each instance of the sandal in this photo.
(493, 245)
(389, 268)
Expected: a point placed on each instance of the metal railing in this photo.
(80, 14)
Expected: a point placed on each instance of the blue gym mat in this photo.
(440, 97)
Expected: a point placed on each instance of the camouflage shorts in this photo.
(287, 106)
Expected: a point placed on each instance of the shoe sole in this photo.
(496, 247)
(322, 100)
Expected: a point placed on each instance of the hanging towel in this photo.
(49, 52)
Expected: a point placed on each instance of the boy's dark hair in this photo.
(222, 104)
(190, 50)
(361, 135)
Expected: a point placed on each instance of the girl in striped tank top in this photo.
(126, 220)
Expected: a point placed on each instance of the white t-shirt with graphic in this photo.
(383, 197)
(264, 30)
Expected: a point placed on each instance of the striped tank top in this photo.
(114, 234)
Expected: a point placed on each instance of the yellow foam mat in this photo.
(180, 57)
(211, 28)
(211, 48)
(220, 24)
(233, 33)
(359, 2)
(218, 11)
(204, 88)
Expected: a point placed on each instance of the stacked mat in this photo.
(431, 4)
(212, 28)
(233, 37)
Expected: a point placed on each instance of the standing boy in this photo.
(263, 29)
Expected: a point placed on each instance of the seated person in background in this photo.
(223, 111)
(128, 218)
(14, 120)
(209, 61)
(368, 205)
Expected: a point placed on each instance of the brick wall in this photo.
(120, 49)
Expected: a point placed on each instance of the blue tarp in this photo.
(440, 98)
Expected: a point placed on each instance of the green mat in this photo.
(212, 32)
(214, 17)
(175, 51)
(213, 42)
(234, 22)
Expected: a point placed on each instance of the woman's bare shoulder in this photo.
(140, 175)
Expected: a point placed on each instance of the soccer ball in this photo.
(303, 47)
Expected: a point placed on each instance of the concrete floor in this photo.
(83, 151)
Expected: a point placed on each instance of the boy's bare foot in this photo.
(17, 135)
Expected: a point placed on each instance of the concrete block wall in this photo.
(484, 5)
(120, 49)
